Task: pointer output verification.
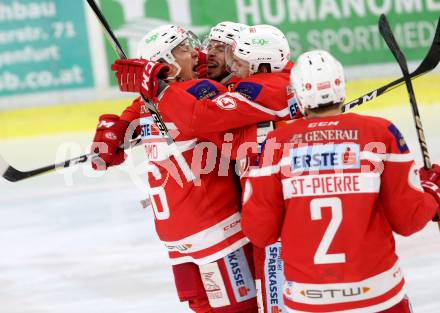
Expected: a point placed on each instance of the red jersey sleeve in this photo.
(263, 201)
(257, 99)
(132, 112)
(405, 205)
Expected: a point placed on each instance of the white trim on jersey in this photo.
(212, 257)
(207, 237)
(369, 309)
(369, 288)
(281, 113)
(387, 157)
(330, 184)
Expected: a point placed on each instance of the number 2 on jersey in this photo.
(316, 205)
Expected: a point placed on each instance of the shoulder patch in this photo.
(249, 90)
(203, 89)
(400, 141)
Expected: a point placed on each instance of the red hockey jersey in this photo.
(334, 191)
(260, 97)
(198, 221)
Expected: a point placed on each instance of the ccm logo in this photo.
(320, 124)
(146, 75)
(232, 225)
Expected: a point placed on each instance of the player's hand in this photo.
(431, 182)
(152, 73)
(130, 74)
(108, 137)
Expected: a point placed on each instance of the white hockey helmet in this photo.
(226, 32)
(317, 80)
(261, 44)
(158, 43)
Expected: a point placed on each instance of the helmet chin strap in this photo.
(178, 70)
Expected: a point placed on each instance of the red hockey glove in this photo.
(108, 137)
(130, 73)
(431, 183)
(202, 64)
(152, 73)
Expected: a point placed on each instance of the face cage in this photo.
(192, 41)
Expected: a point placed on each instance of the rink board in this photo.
(83, 116)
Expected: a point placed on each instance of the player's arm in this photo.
(263, 203)
(227, 111)
(405, 204)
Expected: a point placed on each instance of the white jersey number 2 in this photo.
(321, 255)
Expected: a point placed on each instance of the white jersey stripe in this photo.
(369, 309)
(387, 157)
(207, 237)
(330, 184)
(281, 113)
(369, 288)
(211, 257)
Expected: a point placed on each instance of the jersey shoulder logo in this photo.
(203, 90)
(249, 89)
(400, 141)
(226, 103)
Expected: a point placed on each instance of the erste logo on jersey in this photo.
(149, 129)
(325, 157)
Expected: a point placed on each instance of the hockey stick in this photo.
(430, 61)
(385, 31)
(148, 104)
(12, 174)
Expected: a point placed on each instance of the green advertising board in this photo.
(347, 28)
(43, 46)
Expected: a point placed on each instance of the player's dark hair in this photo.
(264, 68)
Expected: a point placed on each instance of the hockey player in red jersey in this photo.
(331, 186)
(218, 48)
(198, 220)
(261, 60)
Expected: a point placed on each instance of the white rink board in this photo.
(90, 247)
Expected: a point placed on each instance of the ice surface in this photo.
(71, 243)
